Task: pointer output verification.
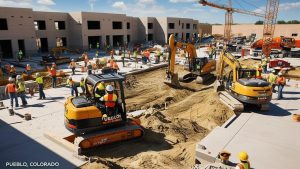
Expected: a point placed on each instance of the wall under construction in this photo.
(288, 30)
(36, 31)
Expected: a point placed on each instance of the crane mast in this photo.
(269, 26)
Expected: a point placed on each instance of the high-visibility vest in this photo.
(110, 100)
(100, 87)
(21, 86)
(264, 62)
(281, 80)
(115, 66)
(81, 83)
(28, 68)
(258, 72)
(53, 72)
(11, 88)
(272, 78)
(39, 80)
(245, 165)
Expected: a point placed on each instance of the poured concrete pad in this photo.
(271, 138)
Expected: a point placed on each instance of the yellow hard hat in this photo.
(243, 156)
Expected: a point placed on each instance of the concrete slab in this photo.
(271, 138)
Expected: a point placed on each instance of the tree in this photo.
(259, 22)
(293, 22)
(281, 22)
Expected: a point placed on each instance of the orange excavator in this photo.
(200, 68)
(282, 43)
(94, 124)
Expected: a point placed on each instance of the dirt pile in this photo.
(170, 134)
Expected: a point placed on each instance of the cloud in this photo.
(182, 1)
(46, 2)
(92, 3)
(16, 3)
(288, 6)
(146, 2)
(120, 5)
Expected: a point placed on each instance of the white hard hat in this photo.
(28, 64)
(53, 63)
(72, 60)
(279, 74)
(70, 77)
(10, 79)
(18, 77)
(37, 75)
(109, 88)
(11, 65)
(273, 71)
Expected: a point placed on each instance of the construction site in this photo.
(151, 94)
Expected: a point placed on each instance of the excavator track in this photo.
(231, 102)
(130, 131)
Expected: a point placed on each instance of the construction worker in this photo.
(157, 56)
(109, 99)
(73, 66)
(146, 55)
(264, 64)
(28, 69)
(85, 59)
(21, 89)
(89, 68)
(12, 71)
(39, 80)
(81, 84)
(281, 81)
(54, 65)
(244, 164)
(20, 55)
(96, 54)
(100, 91)
(259, 71)
(10, 90)
(98, 46)
(53, 75)
(272, 80)
(73, 86)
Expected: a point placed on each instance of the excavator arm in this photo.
(233, 63)
(173, 45)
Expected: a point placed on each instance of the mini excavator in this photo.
(200, 68)
(240, 86)
(92, 123)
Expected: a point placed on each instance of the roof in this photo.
(95, 78)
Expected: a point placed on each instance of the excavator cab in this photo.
(86, 114)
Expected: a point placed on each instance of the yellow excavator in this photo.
(92, 123)
(240, 86)
(200, 68)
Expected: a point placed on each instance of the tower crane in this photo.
(228, 15)
(269, 26)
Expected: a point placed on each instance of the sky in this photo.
(288, 10)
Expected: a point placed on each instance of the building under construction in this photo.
(82, 30)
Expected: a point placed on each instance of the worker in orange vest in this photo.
(280, 81)
(53, 75)
(109, 99)
(54, 65)
(244, 164)
(146, 56)
(73, 66)
(28, 69)
(10, 90)
(12, 70)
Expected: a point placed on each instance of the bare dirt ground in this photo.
(170, 134)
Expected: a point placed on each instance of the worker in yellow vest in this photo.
(264, 63)
(82, 85)
(21, 89)
(39, 80)
(100, 91)
(259, 72)
(272, 80)
(244, 163)
(28, 69)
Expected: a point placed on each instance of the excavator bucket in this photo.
(173, 81)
